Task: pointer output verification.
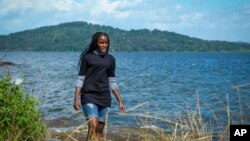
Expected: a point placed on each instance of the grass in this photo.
(187, 127)
(190, 126)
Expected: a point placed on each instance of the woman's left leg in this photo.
(99, 130)
(103, 112)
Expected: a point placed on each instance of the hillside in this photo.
(75, 36)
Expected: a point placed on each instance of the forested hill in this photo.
(75, 36)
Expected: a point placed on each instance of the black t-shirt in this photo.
(97, 69)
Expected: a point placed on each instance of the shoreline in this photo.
(113, 133)
(65, 129)
(123, 133)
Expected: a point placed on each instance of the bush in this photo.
(19, 116)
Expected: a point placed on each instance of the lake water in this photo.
(160, 84)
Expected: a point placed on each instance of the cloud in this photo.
(116, 9)
(37, 6)
(182, 17)
(64, 5)
(246, 10)
(38, 12)
(191, 18)
(104, 7)
(178, 7)
(35, 13)
(10, 6)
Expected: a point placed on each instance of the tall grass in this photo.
(190, 126)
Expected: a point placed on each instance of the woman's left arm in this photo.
(113, 86)
(119, 100)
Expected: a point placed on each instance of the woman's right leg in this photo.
(93, 125)
(103, 112)
(91, 113)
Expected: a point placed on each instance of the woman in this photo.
(96, 78)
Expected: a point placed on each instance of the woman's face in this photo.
(102, 43)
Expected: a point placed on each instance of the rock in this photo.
(6, 63)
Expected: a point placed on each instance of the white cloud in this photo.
(116, 9)
(178, 7)
(64, 5)
(57, 6)
(38, 6)
(191, 18)
(104, 7)
(128, 4)
(9, 6)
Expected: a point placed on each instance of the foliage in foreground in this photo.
(19, 116)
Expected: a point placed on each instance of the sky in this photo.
(226, 20)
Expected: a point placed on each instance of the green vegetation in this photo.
(19, 117)
(75, 36)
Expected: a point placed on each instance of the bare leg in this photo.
(99, 130)
(93, 124)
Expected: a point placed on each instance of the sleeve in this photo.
(83, 66)
(112, 83)
(80, 81)
(111, 76)
(111, 72)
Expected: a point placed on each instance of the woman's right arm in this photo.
(77, 98)
(79, 84)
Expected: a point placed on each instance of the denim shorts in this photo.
(91, 110)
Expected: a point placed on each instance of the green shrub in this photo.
(19, 116)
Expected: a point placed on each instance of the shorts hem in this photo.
(92, 116)
(98, 118)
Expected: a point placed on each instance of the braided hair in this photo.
(93, 45)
